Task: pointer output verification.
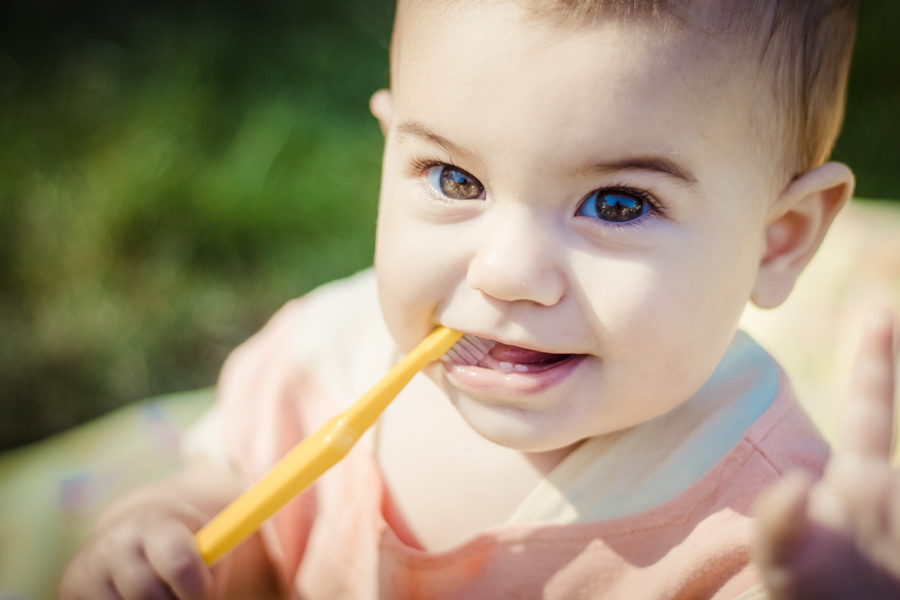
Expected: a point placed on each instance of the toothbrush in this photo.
(323, 449)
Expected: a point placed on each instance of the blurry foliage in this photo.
(869, 140)
(169, 176)
(172, 172)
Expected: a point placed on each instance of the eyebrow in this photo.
(653, 163)
(416, 129)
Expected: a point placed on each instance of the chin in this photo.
(517, 429)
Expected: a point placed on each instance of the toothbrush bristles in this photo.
(468, 350)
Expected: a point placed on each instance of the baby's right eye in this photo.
(454, 183)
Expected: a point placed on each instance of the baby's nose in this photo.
(519, 258)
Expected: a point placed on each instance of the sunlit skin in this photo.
(534, 124)
(840, 537)
(595, 192)
(542, 120)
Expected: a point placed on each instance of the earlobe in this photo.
(380, 105)
(797, 224)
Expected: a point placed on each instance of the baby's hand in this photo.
(840, 538)
(147, 554)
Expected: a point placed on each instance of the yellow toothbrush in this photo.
(320, 451)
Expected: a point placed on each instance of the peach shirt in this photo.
(342, 539)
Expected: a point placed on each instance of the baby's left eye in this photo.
(613, 206)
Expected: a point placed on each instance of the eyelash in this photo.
(421, 166)
(644, 195)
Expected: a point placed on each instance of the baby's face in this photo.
(590, 198)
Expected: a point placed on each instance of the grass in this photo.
(166, 188)
(172, 172)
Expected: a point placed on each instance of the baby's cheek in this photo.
(619, 295)
(405, 314)
(412, 281)
(653, 330)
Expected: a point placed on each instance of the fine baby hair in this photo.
(591, 192)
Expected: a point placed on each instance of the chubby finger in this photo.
(173, 554)
(781, 513)
(868, 423)
(134, 580)
(79, 582)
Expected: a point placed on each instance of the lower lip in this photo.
(491, 381)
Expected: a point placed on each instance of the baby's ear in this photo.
(380, 105)
(797, 222)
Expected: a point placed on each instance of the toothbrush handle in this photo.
(315, 454)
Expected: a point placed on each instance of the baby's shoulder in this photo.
(340, 314)
(334, 335)
(785, 437)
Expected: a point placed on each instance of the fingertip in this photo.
(174, 555)
(867, 423)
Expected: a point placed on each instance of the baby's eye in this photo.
(455, 183)
(613, 207)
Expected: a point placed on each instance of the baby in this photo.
(598, 186)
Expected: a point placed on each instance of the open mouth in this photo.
(515, 359)
(483, 366)
(496, 356)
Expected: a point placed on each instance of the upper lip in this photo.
(511, 342)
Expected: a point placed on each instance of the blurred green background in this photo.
(173, 172)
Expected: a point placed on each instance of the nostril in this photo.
(543, 288)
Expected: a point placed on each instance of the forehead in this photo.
(480, 70)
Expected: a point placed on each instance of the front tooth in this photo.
(506, 366)
(522, 368)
